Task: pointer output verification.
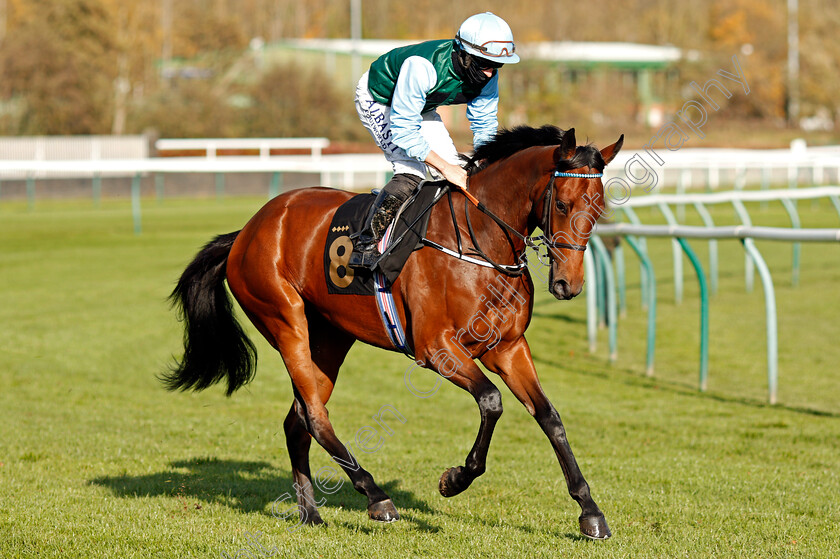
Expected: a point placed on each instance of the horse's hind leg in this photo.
(516, 367)
(328, 347)
(298, 441)
(286, 327)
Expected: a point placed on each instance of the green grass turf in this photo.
(97, 460)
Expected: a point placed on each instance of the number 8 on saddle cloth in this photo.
(407, 231)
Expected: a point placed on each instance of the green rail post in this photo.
(30, 192)
(797, 247)
(160, 187)
(618, 257)
(704, 313)
(713, 248)
(97, 189)
(770, 309)
(604, 286)
(612, 319)
(644, 279)
(651, 306)
(135, 203)
(591, 300)
(676, 251)
(276, 184)
(602, 294)
(220, 186)
(749, 269)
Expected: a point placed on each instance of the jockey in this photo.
(396, 101)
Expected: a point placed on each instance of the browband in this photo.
(581, 175)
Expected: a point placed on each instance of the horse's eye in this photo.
(562, 207)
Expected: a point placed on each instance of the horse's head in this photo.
(568, 208)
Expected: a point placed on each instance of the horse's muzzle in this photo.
(563, 291)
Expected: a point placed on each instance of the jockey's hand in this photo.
(456, 175)
(453, 173)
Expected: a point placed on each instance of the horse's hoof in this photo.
(447, 485)
(383, 511)
(314, 520)
(594, 527)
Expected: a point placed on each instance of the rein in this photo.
(530, 241)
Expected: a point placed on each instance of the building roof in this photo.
(609, 54)
(582, 54)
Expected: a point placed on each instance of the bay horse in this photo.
(525, 177)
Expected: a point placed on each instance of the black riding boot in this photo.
(388, 201)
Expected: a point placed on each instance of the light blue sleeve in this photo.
(482, 112)
(417, 77)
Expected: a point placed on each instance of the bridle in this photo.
(546, 239)
(548, 201)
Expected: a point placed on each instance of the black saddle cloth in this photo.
(407, 232)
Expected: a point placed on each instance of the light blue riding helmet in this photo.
(488, 36)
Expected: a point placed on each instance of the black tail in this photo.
(215, 346)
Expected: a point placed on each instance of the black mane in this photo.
(506, 142)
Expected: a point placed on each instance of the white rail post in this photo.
(677, 251)
(683, 183)
(740, 176)
(713, 247)
(749, 268)
(765, 183)
(770, 310)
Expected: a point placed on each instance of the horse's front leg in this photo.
(514, 364)
(451, 363)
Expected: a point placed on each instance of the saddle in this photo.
(402, 237)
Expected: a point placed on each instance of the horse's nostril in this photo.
(561, 288)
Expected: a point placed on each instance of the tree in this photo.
(293, 101)
(752, 26)
(58, 61)
(188, 108)
(136, 39)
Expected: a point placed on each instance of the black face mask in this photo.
(469, 68)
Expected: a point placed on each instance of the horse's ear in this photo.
(567, 147)
(609, 152)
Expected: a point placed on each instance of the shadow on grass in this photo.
(372, 527)
(631, 378)
(244, 486)
(556, 532)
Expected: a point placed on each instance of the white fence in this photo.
(211, 146)
(684, 169)
(335, 170)
(635, 233)
(69, 148)
(711, 168)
